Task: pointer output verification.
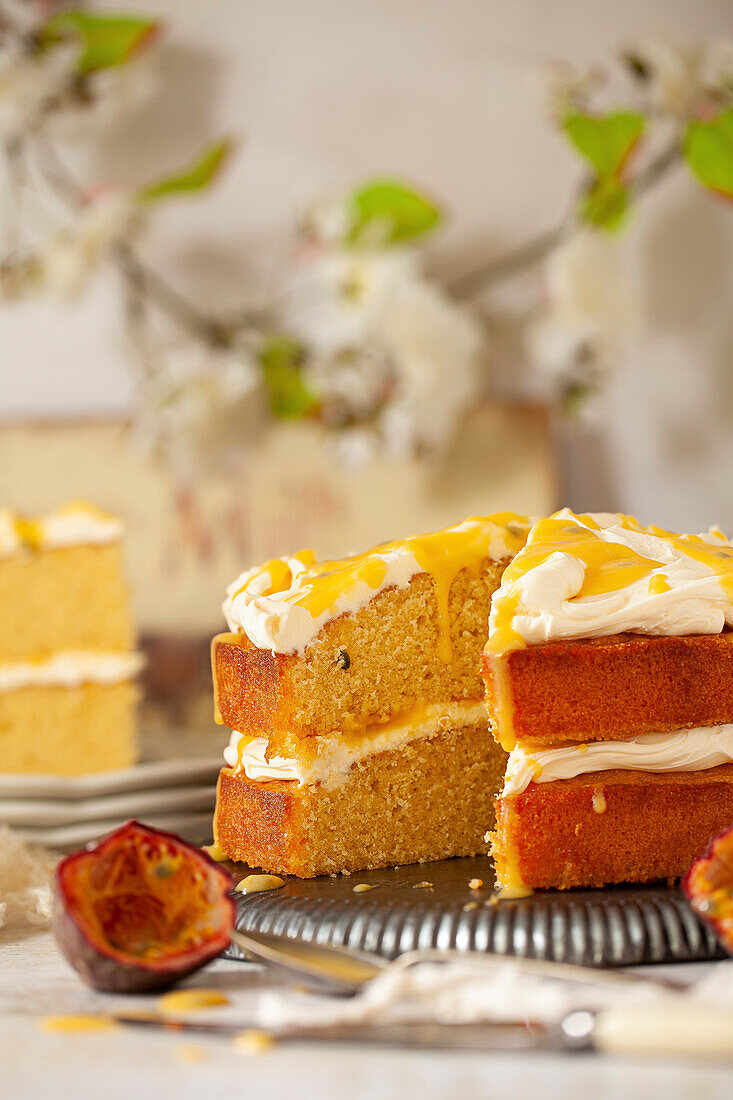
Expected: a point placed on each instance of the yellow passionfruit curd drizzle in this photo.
(442, 554)
(609, 566)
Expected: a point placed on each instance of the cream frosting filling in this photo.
(335, 756)
(71, 669)
(279, 618)
(76, 524)
(681, 751)
(79, 525)
(691, 597)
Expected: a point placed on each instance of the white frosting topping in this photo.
(682, 751)
(335, 756)
(283, 605)
(691, 598)
(71, 669)
(76, 524)
(79, 525)
(271, 622)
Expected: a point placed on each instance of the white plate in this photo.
(143, 777)
(47, 813)
(193, 827)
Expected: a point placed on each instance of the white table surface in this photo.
(132, 1065)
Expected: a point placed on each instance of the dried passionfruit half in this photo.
(140, 909)
(708, 886)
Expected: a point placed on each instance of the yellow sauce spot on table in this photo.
(190, 1000)
(78, 1023)
(361, 888)
(252, 1042)
(256, 884)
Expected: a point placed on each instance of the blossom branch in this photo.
(541, 246)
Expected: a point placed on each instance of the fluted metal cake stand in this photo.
(431, 905)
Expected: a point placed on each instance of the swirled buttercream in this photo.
(331, 758)
(283, 605)
(591, 575)
(690, 750)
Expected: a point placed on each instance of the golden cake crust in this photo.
(615, 688)
(610, 827)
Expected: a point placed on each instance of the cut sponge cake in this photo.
(613, 687)
(363, 669)
(610, 827)
(354, 690)
(609, 678)
(430, 799)
(67, 697)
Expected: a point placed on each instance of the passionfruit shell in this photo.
(708, 886)
(140, 909)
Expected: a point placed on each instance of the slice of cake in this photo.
(67, 665)
(609, 677)
(353, 690)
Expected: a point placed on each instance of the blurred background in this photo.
(309, 272)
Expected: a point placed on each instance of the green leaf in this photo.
(386, 211)
(605, 141)
(105, 40)
(605, 204)
(281, 359)
(708, 150)
(197, 176)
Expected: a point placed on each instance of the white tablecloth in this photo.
(35, 981)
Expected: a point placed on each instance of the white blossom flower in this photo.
(77, 250)
(589, 305)
(681, 76)
(390, 356)
(198, 407)
(31, 84)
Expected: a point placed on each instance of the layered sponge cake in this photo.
(353, 691)
(67, 662)
(609, 677)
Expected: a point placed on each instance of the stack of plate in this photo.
(60, 812)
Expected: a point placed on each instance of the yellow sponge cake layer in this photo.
(70, 598)
(68, 731)
(67, 700)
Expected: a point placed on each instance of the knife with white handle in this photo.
(669, 1028)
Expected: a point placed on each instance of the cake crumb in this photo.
(423, 886)
(493, 900)
(475, 883)
(469, 906)
(347, 873)
(252, 1042)
(362, 887)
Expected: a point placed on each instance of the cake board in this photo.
(431, 905)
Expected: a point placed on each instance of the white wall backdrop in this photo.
(322, 92)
